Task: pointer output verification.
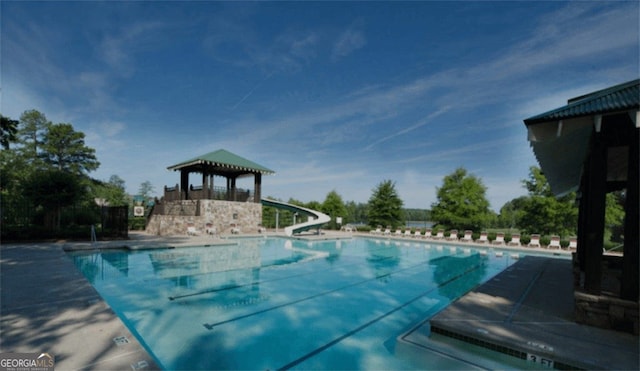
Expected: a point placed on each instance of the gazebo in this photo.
(591, 146)
(218, 163)
(207, 208)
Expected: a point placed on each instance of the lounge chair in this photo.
(499, 239)
(377, 231)
(573, 243)
(398, 232)
(417, 234)
(210, 229)
(191, 230)
(407, 233)
(555, 242)
(235, 229)
(468, 236)
(439, 235)
(261, 229)
(535, 241)
(387, 231)
(453, 235)
(427, 233)
(483, 238)
(515, 240)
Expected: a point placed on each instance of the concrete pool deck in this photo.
(47, 305)
(526, 312)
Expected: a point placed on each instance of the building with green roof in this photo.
(591, 146)
(208, 207)
(217, 163)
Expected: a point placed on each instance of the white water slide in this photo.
(316, 218)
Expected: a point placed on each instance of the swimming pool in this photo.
(274, 303)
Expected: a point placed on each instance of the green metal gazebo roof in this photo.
(560, 137)
(616, 98)
(223, 162)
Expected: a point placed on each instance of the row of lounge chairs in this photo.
(453, 236)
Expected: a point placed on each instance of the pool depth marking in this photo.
(382, 316)
(210, 326)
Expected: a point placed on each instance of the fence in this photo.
(23, 221)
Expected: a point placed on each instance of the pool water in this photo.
(274, 303)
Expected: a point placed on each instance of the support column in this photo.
(184, 184)
(583, 209)
(596, 199)
(233, 190)
(629, 280)
(257, 185)
(205, 184)
(212, 195)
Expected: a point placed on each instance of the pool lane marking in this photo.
(363, 326)
(231, 287)
(210, 326)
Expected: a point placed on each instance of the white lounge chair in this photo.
(407, 233)
(398, 232)
(191, 230)
(555, 242)
(210, 229)
(427, 233)
(483, 238)
(535, 241)
(417, 234)
(499, 239)
(387, 231)
(377, 231)
(515, 240)
(468, 236)
(453, 235)
(439, 235)
(573, 243)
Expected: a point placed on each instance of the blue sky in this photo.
(331, 95)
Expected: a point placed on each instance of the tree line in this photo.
(46, 167)
(461, 204)
(45, 178)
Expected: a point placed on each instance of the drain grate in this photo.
(121, 340)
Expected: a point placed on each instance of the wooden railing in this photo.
(217, 193)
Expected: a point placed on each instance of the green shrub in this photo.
(137, 224)
(545, 240)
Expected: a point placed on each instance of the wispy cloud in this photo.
(428, 119)
(352, 39)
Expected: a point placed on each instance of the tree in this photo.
(64, 148)
(8, 131)
(511, 212)
(537, 184)
(614, 217)
(115, 192)
(542, 212)
(33, 125)
(334, 207)
(52, 190)
(385, 206)
(461, 202)
(146, 189)
(356, 212)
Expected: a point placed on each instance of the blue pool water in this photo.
(273, 303)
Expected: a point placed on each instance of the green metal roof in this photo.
(617, 98)
(223, 161)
